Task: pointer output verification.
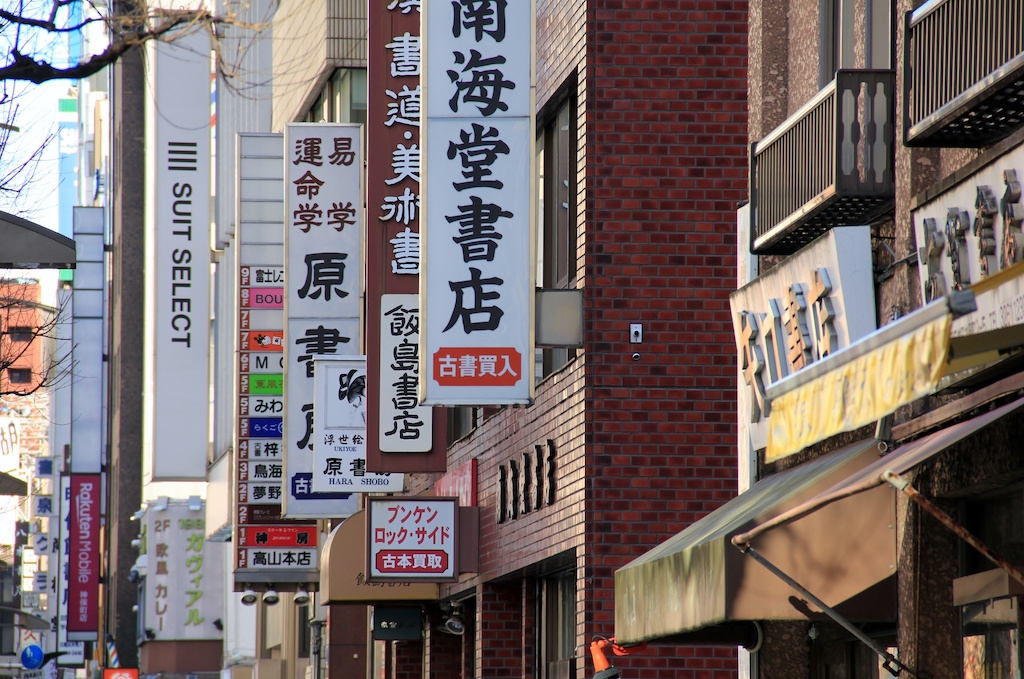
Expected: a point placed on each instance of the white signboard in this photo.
(412, 539)
(405, 426)
(184, 594)
(87, 398)
(278, 559)
(323, 286)
(10, 444)
(816, 302)
(177, 392)
(340, 424)
(970, 233)
(477, 279)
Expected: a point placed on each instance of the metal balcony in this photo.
(830, 164)
(964, 62)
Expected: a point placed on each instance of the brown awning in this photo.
(12, 485)
(901, 460)
(26, 245)
(697, 579)
(343, 570)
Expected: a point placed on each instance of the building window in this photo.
(556, 616)
(19, 375)
(461, 421)
(989, 628)
(19, 334)
(556, 215)
(840, 32)
(342, 100)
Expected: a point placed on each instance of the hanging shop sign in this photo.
(970, 237)
(477, 286)
(84, 548)
(323, 287)
(339, 416)
(260, 483)
(89, 293)
(402, 435)
(412, 539)
(184, 595)
(808, 307)
(177, 328)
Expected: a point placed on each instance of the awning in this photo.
(343, 570)
(12, 485)
(698, 579)
(827, 523)
(25, 245)
(901, 460)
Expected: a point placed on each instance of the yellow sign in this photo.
(859, 392)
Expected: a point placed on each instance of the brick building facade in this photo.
(626, 443)
(862, 547)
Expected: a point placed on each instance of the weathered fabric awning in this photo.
(829, 524)
(900, 461)
(844, 553)
(12, 485)
(26, 245)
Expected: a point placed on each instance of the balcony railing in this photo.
(964, 83)
(830, 164)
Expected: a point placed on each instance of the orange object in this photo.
(599, 644)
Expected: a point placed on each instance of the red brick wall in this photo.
(666, 168)
(645, 447)
(500, 631)
(444, 651)
(407, 659)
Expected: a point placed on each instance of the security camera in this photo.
(133, 575)
(301, 597)
(271, 597)
(453, 625)
(250, 597)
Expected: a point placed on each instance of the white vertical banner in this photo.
(339, 417)
(477, 277)
(87, 329)
(323, 288)
(404, 425)
(183, 580)
(176, 432)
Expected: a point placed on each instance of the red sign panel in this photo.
(393, 224)
(277, 536)
(84, 579)
(262, 340)
(459, 482)
(486, 367)
(412, 561)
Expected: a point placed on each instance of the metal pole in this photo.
(316, 629)
(891, 664)
(903, 485)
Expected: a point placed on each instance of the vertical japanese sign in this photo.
(260, 553)
(183, 591)
(84, 547)
(177, 393)
(402, 436)
(323, 286)
(477, 287)
(339, 416)
(412, 539)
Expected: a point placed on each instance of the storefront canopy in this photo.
(828, 523)
(25, 245)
